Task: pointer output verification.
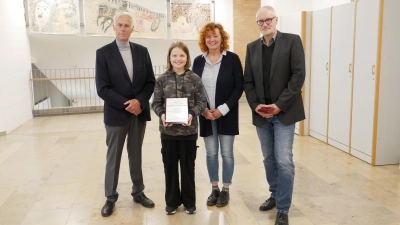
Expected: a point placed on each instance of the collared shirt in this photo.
(272, 40)
(209, 79)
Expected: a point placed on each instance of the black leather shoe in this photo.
(268, 204)
(223, 198)
(145, 201)
(282, 219)
(212, 199)
(107, 209)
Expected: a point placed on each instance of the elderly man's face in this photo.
(42, 13)
(269, 26)
(123, 29)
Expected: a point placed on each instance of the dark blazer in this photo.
(286, 78)
(115, 87)
(229, 89)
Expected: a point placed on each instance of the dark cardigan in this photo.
(229, 89)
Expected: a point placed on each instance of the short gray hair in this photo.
(266, 7)
(119, 14)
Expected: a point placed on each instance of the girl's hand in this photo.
(189, 121)
(165, 123)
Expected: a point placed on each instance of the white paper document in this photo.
(176, 110)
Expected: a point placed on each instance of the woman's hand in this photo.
(208, 115)
(216, 113)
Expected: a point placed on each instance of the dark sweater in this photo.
(229, 89)
(267, 59)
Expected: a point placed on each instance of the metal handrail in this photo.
(66, 91)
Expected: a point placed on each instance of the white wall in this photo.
(63, 52)
(66, 51)
(15, 105)
(287, 7)
(320, 4)
(267, 2)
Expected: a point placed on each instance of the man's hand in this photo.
(275, 110)
(133, 106)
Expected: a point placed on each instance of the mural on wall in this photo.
(150, 17)
(54, 16)
(188, 16)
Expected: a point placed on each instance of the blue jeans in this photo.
(276, 145)
(228, 162)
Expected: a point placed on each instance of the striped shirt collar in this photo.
(206, 53)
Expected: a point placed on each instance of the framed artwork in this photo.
(187, 18)
(54, 16)
(150, 17)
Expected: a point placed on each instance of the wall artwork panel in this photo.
(150, 17)
(188, 16)
(54, 16)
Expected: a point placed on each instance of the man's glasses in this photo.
(266, 21)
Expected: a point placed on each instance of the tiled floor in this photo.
(52, 171)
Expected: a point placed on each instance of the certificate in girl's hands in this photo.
(176, 110)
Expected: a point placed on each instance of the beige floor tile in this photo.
(394, 208)
(237, 212)
(300, 221)
(158, 216)
(79, 216)
(372, 190)
(310, 210)
(215, 217)
(390, 184)
(47, 217)
(346, 210)
(120, 216)
(52, 172)
(8, 151)
(17, 206)
(327, 224)
(60, 196)
(5, 192)
(242, 180)
(268, 222)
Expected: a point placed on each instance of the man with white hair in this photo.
(125, 81)
(273, 77)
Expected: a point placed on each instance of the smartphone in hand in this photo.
(266, 109)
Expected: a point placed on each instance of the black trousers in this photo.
(182, 152)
